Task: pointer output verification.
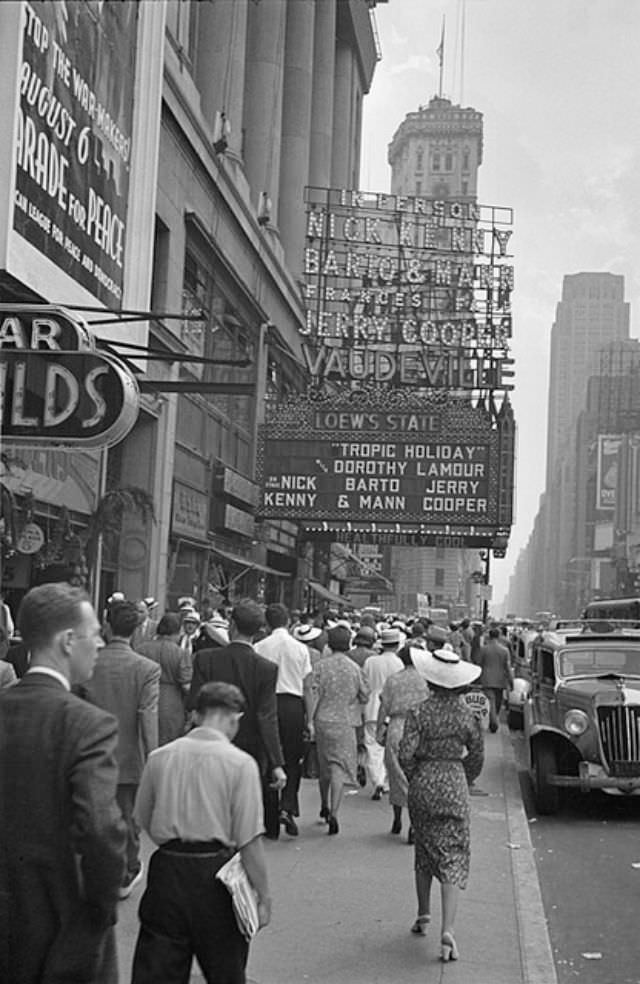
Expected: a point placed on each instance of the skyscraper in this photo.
(591, 313)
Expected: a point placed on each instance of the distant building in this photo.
(436, 152)
(591, 313)
(574, 552)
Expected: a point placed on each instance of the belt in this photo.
(200, 849)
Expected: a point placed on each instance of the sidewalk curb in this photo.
(535, 945)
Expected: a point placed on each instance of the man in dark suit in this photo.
(63, 840)
(497, 675)
(128, 686)
(256, 677)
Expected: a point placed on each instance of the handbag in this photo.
(243, 896)
(310, 768)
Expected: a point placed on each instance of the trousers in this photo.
(376, 772)
(291, 727)
(186, 912)
(126, 795)
(495, 703)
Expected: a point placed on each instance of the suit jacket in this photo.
(496, 670)
(128, 685)
(144, 633)
(62, 849)
(256, 677)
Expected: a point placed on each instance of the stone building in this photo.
(238, 106)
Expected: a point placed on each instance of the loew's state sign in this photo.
(442, 462)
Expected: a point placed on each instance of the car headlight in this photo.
(576, 722)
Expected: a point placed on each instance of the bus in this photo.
(626, 609)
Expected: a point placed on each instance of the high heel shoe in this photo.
(448, 948)
(396, 826)
(420, 925)
(325, 814)
(333, 824)
(411, 837)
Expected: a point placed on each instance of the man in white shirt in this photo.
(376, 670)
(200, 800)
(294, 697)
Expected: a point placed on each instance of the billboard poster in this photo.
(607, 470)
(73, 138)
(381, 458)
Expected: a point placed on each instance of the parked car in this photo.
(582, 716)
(521, 665)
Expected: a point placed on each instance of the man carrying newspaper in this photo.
(200, 801)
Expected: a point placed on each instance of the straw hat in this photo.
(390, 637)
(444, 668)
(189, 615)
(306, 633)
(216, 632)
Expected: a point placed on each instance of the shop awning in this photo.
(247, 563)
(327, 595)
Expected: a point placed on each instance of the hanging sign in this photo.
(31, 539)
(54, 398)
(42, 326)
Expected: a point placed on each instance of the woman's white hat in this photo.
(306, 633)
(444, 668)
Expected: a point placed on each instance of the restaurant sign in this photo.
(383, 456)
(55, 398)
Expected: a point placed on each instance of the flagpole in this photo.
(440, 54)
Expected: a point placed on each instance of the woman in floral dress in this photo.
(401, 692)
(441, 751)
(339, 688)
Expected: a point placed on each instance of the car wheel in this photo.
(515, 719)
(546, 796)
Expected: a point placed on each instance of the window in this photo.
(182, 27)
(418, 187)
(465, 187)
(160, 273)
(439, 577)
(419, 159)
(465, 160)
(547, 672)
(440, 553)
(448, 162)
(436, 162)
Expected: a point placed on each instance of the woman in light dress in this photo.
(401, 692)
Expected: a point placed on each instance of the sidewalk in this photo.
(343, 905)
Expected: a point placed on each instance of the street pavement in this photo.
(343, 905)
(588, 863)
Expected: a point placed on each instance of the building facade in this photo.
(236, 108)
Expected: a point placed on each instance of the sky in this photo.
(557, 82)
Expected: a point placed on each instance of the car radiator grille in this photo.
(620, 736)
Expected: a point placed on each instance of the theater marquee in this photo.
(383, 457)
(407, 290)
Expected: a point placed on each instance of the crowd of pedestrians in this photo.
(197, 727)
